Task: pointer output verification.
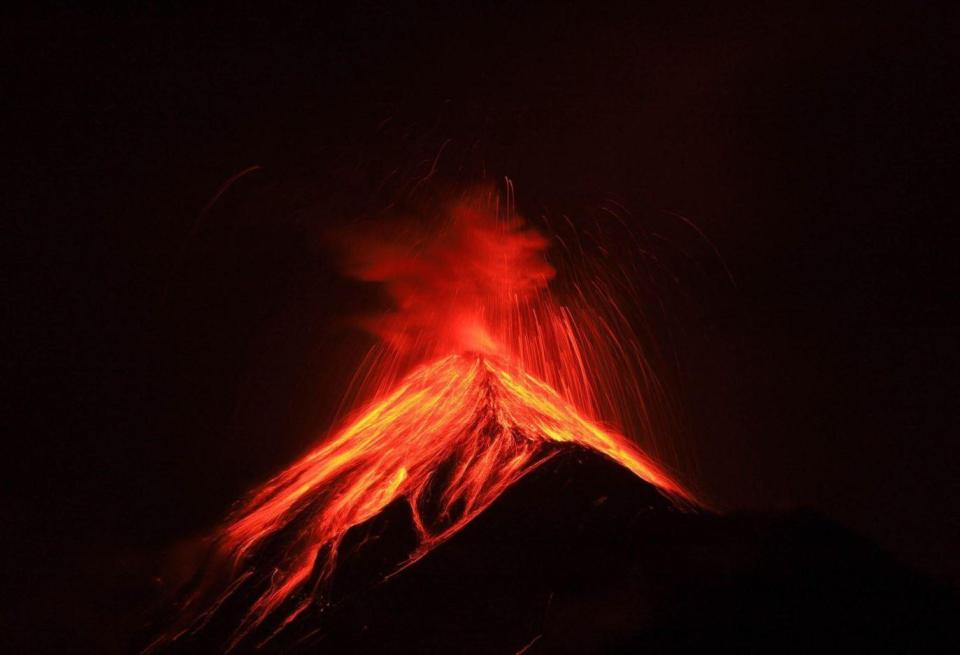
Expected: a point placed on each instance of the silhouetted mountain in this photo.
(581, 556)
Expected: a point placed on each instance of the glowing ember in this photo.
(481, 377)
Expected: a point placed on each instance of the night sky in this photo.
(165, 357)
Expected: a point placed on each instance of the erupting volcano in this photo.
(482, 376)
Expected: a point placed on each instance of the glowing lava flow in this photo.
(449, 440)
(447, 437)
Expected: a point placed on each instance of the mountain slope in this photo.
(442, 446)
(580, 556)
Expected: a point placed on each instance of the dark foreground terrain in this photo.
(582, 557)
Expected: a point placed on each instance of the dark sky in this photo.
(165, 359)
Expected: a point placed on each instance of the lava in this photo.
(481, 376)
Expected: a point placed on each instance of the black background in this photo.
(165, 358)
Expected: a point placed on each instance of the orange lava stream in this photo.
(489, 424)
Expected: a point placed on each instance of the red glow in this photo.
(481, 373)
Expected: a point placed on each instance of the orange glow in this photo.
(481, 374)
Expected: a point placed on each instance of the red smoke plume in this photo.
(448, 285)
